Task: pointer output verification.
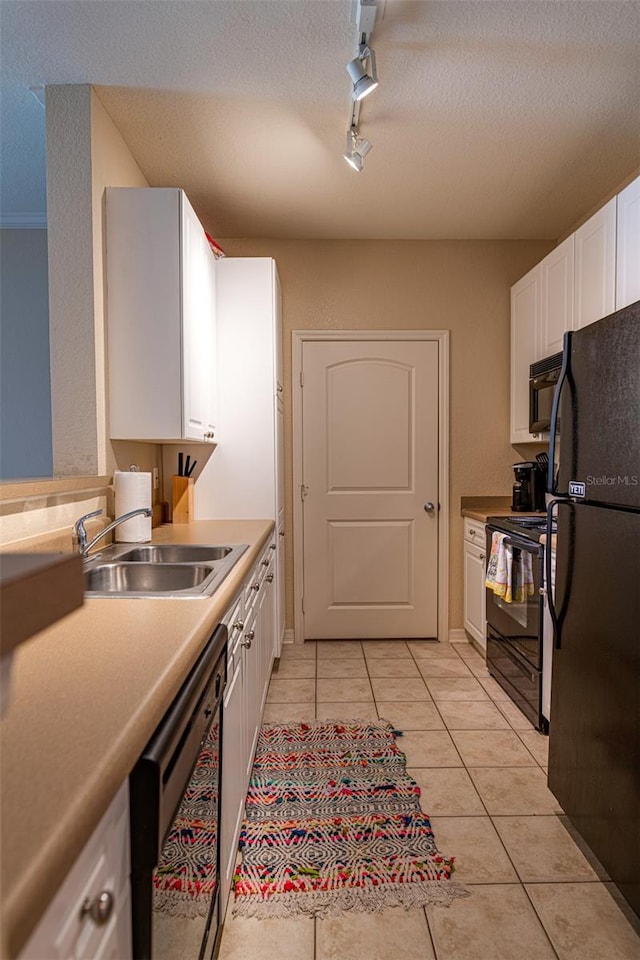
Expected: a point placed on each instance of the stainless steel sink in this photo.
(145, 577)
(175, 553)
(159, 570)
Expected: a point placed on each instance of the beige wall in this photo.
(73, 388)
(461, 286)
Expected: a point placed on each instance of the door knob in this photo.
(429, 507)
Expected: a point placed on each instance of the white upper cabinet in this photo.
(595, 266)
(589, 275)
(525, 312)
(161, 318)
(628, 246)
(556, 301)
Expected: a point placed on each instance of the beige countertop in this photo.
(479, 508)
(86, 695)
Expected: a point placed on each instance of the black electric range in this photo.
(514, 627)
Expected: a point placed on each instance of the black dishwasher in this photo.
(175, 810)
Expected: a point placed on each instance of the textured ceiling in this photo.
(492, 119)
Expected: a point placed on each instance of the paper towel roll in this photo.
(133, 491)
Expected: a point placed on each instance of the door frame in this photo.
(441, 337)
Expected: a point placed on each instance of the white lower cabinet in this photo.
(90, 916)
(232, 800)
(250, 621)
(475, 565)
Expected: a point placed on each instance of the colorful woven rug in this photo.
(333, 823)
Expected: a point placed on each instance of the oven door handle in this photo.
(528, 546)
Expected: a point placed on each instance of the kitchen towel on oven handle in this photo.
(510, 583)
(499, 567)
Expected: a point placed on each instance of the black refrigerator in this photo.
(594, 740)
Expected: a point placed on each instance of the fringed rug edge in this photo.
(430, 893)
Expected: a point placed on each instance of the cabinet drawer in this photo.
(67, 930)
(474, 531)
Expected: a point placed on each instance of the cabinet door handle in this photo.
(99, 908)
(482, 556)
(472, 533)
(269, 578)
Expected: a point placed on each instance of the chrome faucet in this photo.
(79, 536)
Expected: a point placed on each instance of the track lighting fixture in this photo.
(364, 76)
(363, 83)
(357, 149)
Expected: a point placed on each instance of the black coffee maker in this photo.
(529, 487)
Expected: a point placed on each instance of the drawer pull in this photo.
(238, 625)
(266, 562)
(269, 578)
(99, 909)
(472, 533)
(272, 547)
(255, 586)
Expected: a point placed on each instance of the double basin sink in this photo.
(159, 570)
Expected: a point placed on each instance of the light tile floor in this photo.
(536, 892)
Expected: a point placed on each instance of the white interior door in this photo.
(370, 465)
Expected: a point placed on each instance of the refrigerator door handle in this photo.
(555, 619)
(555, 409)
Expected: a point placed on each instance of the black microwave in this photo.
(543, 377)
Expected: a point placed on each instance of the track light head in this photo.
(357, 149)
(364, 83)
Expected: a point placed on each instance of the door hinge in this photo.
(301, 379)
(303, 491)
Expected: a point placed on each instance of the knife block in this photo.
(182, 499)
